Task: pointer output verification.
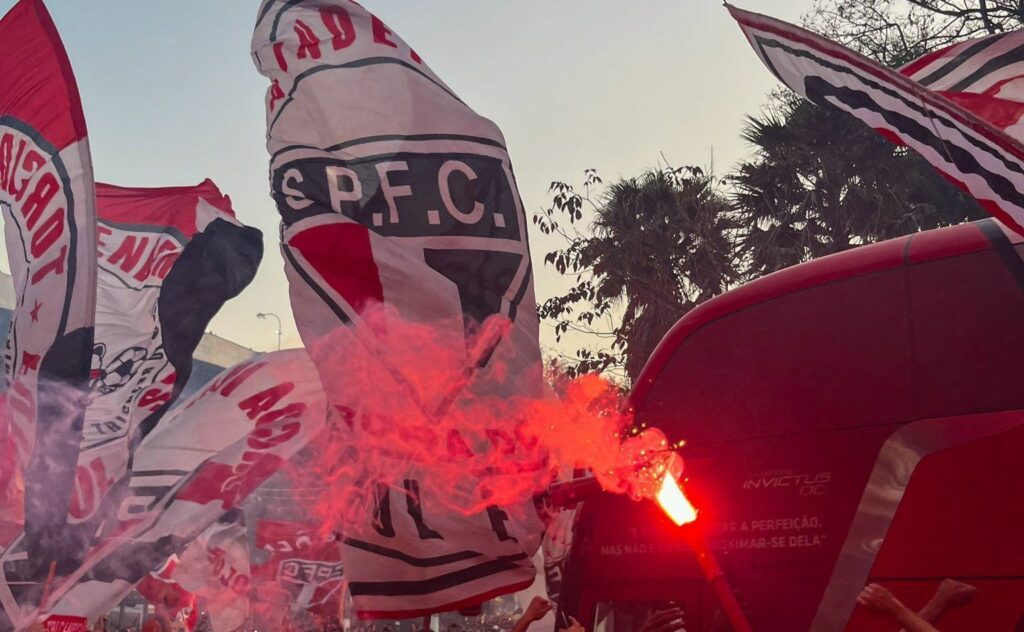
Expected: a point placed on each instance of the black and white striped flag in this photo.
(984, 75)
(969, 150)
(992, 65)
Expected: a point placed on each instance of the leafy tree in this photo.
(897, 31)
(641, 252)
(820, 182)
(891, 32)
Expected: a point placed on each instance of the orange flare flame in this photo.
(674, 502)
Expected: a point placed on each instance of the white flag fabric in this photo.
(212, 572)
(215, 568)
(399, 206)
(169, 258)
(971, 152)
(203, 459)
(47, 197)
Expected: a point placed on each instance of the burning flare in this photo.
(674, 502)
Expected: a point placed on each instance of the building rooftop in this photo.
(212, 349)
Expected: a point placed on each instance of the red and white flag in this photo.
(47, 197)
(169, 258)
(158, 586)
(205, 457)
(966, 138)
(400, 209)
(58, 623)
(303, 572)
(215, 569)
(983, 75)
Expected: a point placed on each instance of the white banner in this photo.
(215, 568)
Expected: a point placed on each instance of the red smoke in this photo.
(409, 405)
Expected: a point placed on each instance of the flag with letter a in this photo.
(200, 463)
(168, 259)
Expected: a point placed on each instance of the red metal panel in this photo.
(808, 398)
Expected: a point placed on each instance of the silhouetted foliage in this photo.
(820, 182)
(641, 252)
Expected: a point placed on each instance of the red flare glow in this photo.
(408, 407)
(674, 502)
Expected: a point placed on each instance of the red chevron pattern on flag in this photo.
(970, 151)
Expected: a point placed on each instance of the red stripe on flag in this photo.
(165, 206)
(927, 58)
(39, 87)
(343, 257)
(991, 206)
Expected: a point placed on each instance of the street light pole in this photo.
(263, 316)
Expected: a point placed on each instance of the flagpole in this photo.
(47, 586)
(713, 573)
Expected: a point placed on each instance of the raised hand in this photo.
(537, 609)
(669, 620)
(878, 597)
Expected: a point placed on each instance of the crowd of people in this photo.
(508, 616)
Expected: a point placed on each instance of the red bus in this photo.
(857, 418)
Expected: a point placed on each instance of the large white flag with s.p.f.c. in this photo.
(400, 213)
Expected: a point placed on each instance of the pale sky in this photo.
(171, 97)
